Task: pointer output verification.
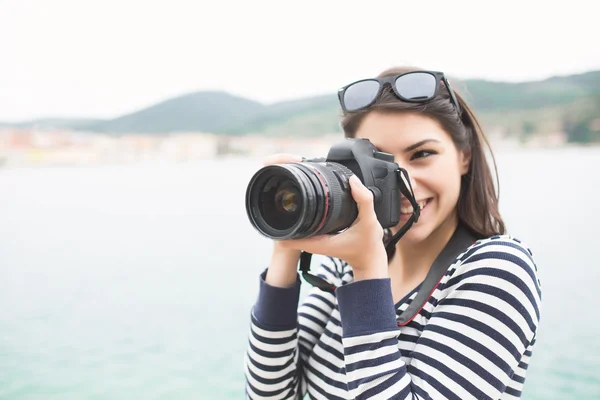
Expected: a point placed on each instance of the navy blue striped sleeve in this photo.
(282, 335)
(476, 343)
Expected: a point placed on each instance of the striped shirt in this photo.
(472, 340)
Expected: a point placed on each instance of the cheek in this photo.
(447, 183)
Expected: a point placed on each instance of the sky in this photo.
(103, 59)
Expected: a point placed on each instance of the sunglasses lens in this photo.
(360, 95)
(416, 86)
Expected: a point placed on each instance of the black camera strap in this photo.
(305, 259)
(460, 241)
(407, 191)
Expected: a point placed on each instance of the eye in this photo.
(422, 154)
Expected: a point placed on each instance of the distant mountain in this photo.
(201, 111)
(537, 105)
(527, 107)
(321, 110)
(488, 95)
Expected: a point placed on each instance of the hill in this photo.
(519, 108)
(200, 111)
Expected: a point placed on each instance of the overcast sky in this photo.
(84, 58)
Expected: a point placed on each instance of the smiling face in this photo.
(435, 166)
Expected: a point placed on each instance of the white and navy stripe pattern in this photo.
(472, 340)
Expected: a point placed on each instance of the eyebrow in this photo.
(419, 144)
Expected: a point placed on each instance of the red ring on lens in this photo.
(322, 179)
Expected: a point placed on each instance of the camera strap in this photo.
(461, 239)
(305, 259)
(459, 242)
(407, 191)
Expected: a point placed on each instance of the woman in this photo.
(474, 336)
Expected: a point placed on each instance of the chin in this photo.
(416, 234)
(431, 222)
(421, 230)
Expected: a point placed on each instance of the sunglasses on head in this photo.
(411, 87)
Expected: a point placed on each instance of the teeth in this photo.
(406, 210)
(409, 209)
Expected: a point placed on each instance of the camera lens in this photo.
(280, 202)
(296, 200)
(287, 200)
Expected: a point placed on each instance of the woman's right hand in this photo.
(282, 271)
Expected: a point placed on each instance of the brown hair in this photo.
(478, 201)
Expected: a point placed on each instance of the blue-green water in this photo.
(136, 282)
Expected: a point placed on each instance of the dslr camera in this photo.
(313, 197)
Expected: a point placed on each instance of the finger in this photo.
(316, 245)
(362, 196)
(281, 158)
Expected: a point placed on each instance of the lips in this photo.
(408, 209)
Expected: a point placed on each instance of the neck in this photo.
(416, 258)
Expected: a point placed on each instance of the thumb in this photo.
(362, 196)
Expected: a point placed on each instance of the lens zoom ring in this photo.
(339, 195)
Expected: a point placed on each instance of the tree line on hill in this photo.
(570, 104)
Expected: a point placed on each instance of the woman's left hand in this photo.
(361, 245)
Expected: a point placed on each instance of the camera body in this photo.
(313, 197)
(376, 170)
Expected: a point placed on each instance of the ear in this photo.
(464, 160)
